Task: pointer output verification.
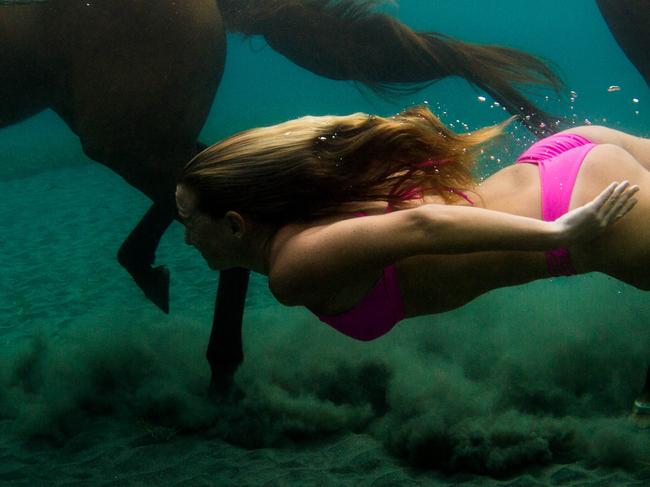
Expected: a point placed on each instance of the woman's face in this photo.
(214, 239)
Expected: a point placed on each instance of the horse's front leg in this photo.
(138, 252)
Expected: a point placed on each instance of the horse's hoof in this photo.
(155, 285)
(153, 281)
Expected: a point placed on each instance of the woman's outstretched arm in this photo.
(462, 229)
(320, 258)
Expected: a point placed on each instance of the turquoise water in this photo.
(521, 380)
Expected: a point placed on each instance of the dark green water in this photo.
(526, 385)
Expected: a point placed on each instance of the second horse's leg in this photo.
(225, 351)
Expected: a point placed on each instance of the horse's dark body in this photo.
(135, 80)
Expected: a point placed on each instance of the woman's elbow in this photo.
(432, 224)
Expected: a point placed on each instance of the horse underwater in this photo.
(135, 82)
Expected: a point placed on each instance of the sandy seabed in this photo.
(143, 459)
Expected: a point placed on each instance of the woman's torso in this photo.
(437, 283)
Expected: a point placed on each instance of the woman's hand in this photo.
(587, 222)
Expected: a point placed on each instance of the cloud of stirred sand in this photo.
(530, 376)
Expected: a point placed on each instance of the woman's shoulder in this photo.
(309, 261)
(289, 247)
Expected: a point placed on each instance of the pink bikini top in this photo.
(380, 310)
(376, 314)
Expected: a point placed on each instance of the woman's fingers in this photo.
(604, 196)
(624, 206)
(627, 207)
(618, 204)
(586, 222)
(612, 200)
(615, 196)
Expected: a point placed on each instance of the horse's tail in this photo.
(348, 40)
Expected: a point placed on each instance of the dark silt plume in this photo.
(495, 388)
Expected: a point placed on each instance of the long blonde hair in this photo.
(311, 166)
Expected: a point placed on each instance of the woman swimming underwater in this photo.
(368, 220)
